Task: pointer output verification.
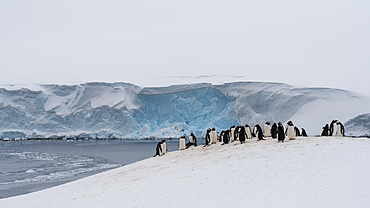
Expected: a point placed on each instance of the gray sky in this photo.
(322, 43)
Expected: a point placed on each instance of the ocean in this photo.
(33, 165)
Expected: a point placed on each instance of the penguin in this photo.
(192, 141)
(274, 131)
(331, 129)
(232, 130)
(207, 140)
(242, 134)
(340, 129)
(258, 132)
(236, 133)
(164, 147)
(182, 143)
(325, 130)
(248, 131)
(304, 132)
(290, 131)
(214, 136)
(335, 128)
(296, 130)
(267, 129)
(225, 137)
(158, 149)
(280, 132)
(221, 137)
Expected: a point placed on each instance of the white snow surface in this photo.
(306, 172)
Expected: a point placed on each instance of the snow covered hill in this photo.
(306, 172)
(359, 125)
(126, 110)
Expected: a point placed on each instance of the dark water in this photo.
(28, 166)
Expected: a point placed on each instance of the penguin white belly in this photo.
(248, 132)
(182, 144)
(335, 127)
(267, 131)
(339, 130)
(214, 137)
(290, 132)
(232, 135)
(191, 140)
(164, 148)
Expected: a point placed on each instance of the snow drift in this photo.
(306, 172)
(125, 110)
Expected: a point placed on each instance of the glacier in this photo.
(124, 110)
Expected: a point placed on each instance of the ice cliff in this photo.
(125, 110)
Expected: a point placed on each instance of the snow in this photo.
(306, 172)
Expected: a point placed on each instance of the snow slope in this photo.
(126, 110)
(306, 172)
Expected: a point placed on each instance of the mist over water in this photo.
(28, 166)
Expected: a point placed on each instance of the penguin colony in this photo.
(242, 133)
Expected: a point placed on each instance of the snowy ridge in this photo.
(107, 110)
(306, 172)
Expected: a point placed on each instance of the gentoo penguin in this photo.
(182, 143)
(325, 130)
(340, 129)
(335, 128)
(158, 149)
(242, 134)
(236, 133)
(304, 132)
(290, 130)
(207, 140)
(280, 132)
(214, 136)
(258, 132)
(221, 137)
(232, 131)
(192, 141)
(296, 130)
(248, 131)
(331, 129)
(267, 129)
(226, 138)
(164, 147)
(274, 131)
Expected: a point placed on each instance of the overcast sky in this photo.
(323, 43)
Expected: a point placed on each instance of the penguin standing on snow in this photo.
(280, 132)
(290, 130)
(304, 132)
(335, 129)
(214, 136)
(340, 129)
(232, 130)
(158, 149)
(296, 130)
(221, 137)
(236, 133)
(242, 134)
(164, 147)
(248, 132)
(267, 129)
(274, 131)
(325, 130)
(332, 128)
(258, 132)
(226, 137)
(207, 140)
(192, 141)
(182, 143)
